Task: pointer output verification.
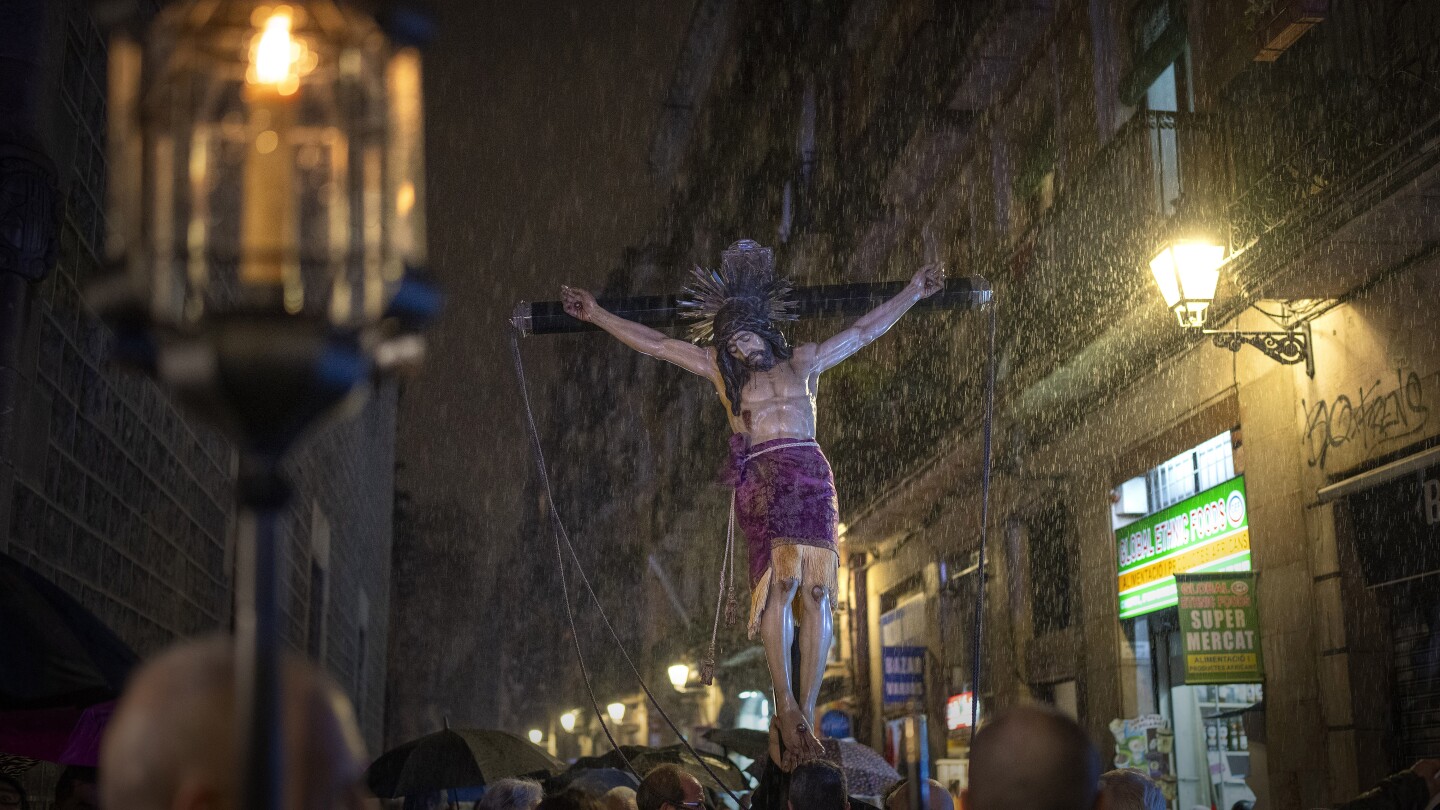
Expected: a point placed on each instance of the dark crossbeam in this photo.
(827, 301)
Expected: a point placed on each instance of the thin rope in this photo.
(984, 526)
(557, 529)
(727, 566)
(561, 534)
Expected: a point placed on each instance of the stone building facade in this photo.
(106, 488)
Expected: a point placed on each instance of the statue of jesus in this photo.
(785, 499)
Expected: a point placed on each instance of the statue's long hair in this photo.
(742, 315)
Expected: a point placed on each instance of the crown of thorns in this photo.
(744, 286)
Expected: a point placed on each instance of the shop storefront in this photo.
(1187, 611)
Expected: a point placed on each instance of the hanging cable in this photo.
(984, 523)
(563, 536)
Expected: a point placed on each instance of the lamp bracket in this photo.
(1289, 346)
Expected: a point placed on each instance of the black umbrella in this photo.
(595, 781)
(747, 742)
(456, 758)
(57, 653)
(645, 759)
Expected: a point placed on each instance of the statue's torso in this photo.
(779, 403)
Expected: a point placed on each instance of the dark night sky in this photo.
(540, 120)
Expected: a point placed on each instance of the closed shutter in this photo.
(1416, 637)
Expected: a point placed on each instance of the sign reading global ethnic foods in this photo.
(1220, 628)
(1207, 532)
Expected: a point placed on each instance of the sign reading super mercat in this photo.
(1207, 532)
(1220, 628)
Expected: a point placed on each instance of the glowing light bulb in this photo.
(536, 735)
(567, 721)
(616, 711)
(679, 675)
(277, 58)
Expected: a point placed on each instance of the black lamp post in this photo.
(266, 228)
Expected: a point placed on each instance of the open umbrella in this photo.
(747, 742)
(595, 781)
(57, 654)
(866, 772)
(645, 759)
(456, 758)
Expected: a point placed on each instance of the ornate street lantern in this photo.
(617, 710)
(679, 675)
(1187, 270)
(266, 228)
(266, 205)
(567, 721)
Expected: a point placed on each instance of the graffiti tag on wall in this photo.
(1376, 414)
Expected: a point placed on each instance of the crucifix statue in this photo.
(785, 499)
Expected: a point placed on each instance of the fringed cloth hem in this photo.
(811, 566)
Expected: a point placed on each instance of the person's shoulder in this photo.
(805, 352)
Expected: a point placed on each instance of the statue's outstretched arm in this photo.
(580, 304)
(927, 281)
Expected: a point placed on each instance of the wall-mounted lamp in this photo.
(679, 675)
(537, 736)
(567, 720)
(616, 711)
(1187, 271)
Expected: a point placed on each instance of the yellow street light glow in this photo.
(567, 721)
(1187, 272)
(679, 675)
(536, 735)
(616, 711)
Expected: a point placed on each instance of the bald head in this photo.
(172, 743)
(1035, 758)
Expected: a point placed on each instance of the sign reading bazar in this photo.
(1207, 532)
(1220, 628)
(904, 669)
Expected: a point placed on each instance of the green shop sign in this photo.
(1220, 628)
(1208, 532)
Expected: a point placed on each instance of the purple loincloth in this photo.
(782, 496)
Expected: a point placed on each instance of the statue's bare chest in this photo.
(779, 384)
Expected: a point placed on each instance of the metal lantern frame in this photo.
(265, 252)
(1189, 293)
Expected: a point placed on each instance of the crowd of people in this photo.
(171, 745)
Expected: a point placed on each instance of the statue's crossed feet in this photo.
(800, 743)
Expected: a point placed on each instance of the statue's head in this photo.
(737, 308)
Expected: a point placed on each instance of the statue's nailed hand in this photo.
(929, 280)
(579, 304)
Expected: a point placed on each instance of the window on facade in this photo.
(1049, 532)
(1194, 470)
(1208, 464)
(1035, 173)
(1161, 106)
(362, 655)
(315, 633)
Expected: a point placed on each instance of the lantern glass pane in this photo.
(265, 185)
(1197, 265)
(1162, 267)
